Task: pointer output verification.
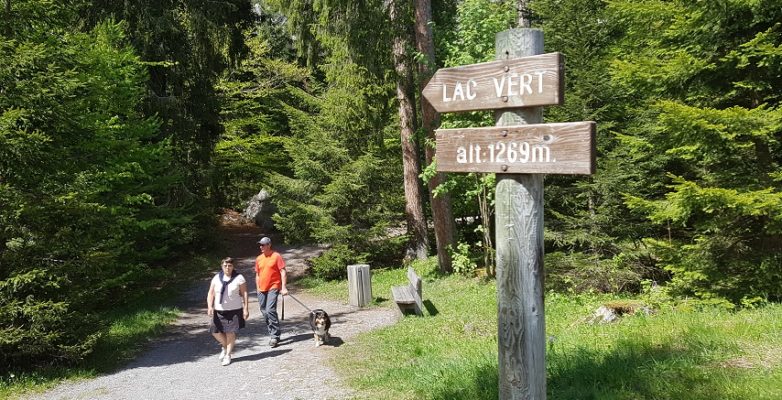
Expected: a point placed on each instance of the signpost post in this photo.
(520, 150)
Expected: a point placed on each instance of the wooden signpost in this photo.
(563, 148)
(511, 83)
(520, 150)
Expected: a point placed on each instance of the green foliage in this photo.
(589, 233)
(572, 272)
(717, 259)
(704, 136)
(344, 187)
(470, 39)
(35, 325)
(257, 95)
(106, 160)
(186, 45)
(688, 137)
(80, 182)
(332, 264)
(467, 37)
(318, 153)
(462, 262)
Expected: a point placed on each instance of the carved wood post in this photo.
(519, 225)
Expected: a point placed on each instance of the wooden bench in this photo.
(409, 296)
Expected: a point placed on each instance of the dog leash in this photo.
(302, 304)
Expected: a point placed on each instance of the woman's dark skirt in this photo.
(227, 321)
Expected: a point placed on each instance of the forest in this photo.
(127, 127)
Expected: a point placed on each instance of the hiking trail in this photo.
(183, 362)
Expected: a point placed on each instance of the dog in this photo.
(320, 324)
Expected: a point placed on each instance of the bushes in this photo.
(332, 264)
(580, 273)
(461, 260)
(38, 324)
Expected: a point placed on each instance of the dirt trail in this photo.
(183, 364)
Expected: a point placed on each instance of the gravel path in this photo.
(183, 363)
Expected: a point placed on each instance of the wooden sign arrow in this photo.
(558, 148)
(513, 83)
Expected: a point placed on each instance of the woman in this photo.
(227, 303)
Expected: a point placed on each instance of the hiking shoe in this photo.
(226, 360)
(273, 342)
(222, 354)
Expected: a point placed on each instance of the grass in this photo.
(679, 352)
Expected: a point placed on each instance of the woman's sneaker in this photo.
(226, 360)
(222, 354)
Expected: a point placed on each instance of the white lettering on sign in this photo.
(524, 82)
(504, 152)
(460, 91)
(508, 85)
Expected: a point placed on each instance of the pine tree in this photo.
(704, 137)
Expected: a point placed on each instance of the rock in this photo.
(612, 311)
(260, 210)
(604, 315)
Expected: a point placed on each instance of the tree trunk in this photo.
(414, 209)
(523, 14)
(8, 18)
(441, 205)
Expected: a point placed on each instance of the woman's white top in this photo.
(232, 299)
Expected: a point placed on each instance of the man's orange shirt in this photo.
(267, 271)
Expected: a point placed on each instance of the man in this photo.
(271, 279)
